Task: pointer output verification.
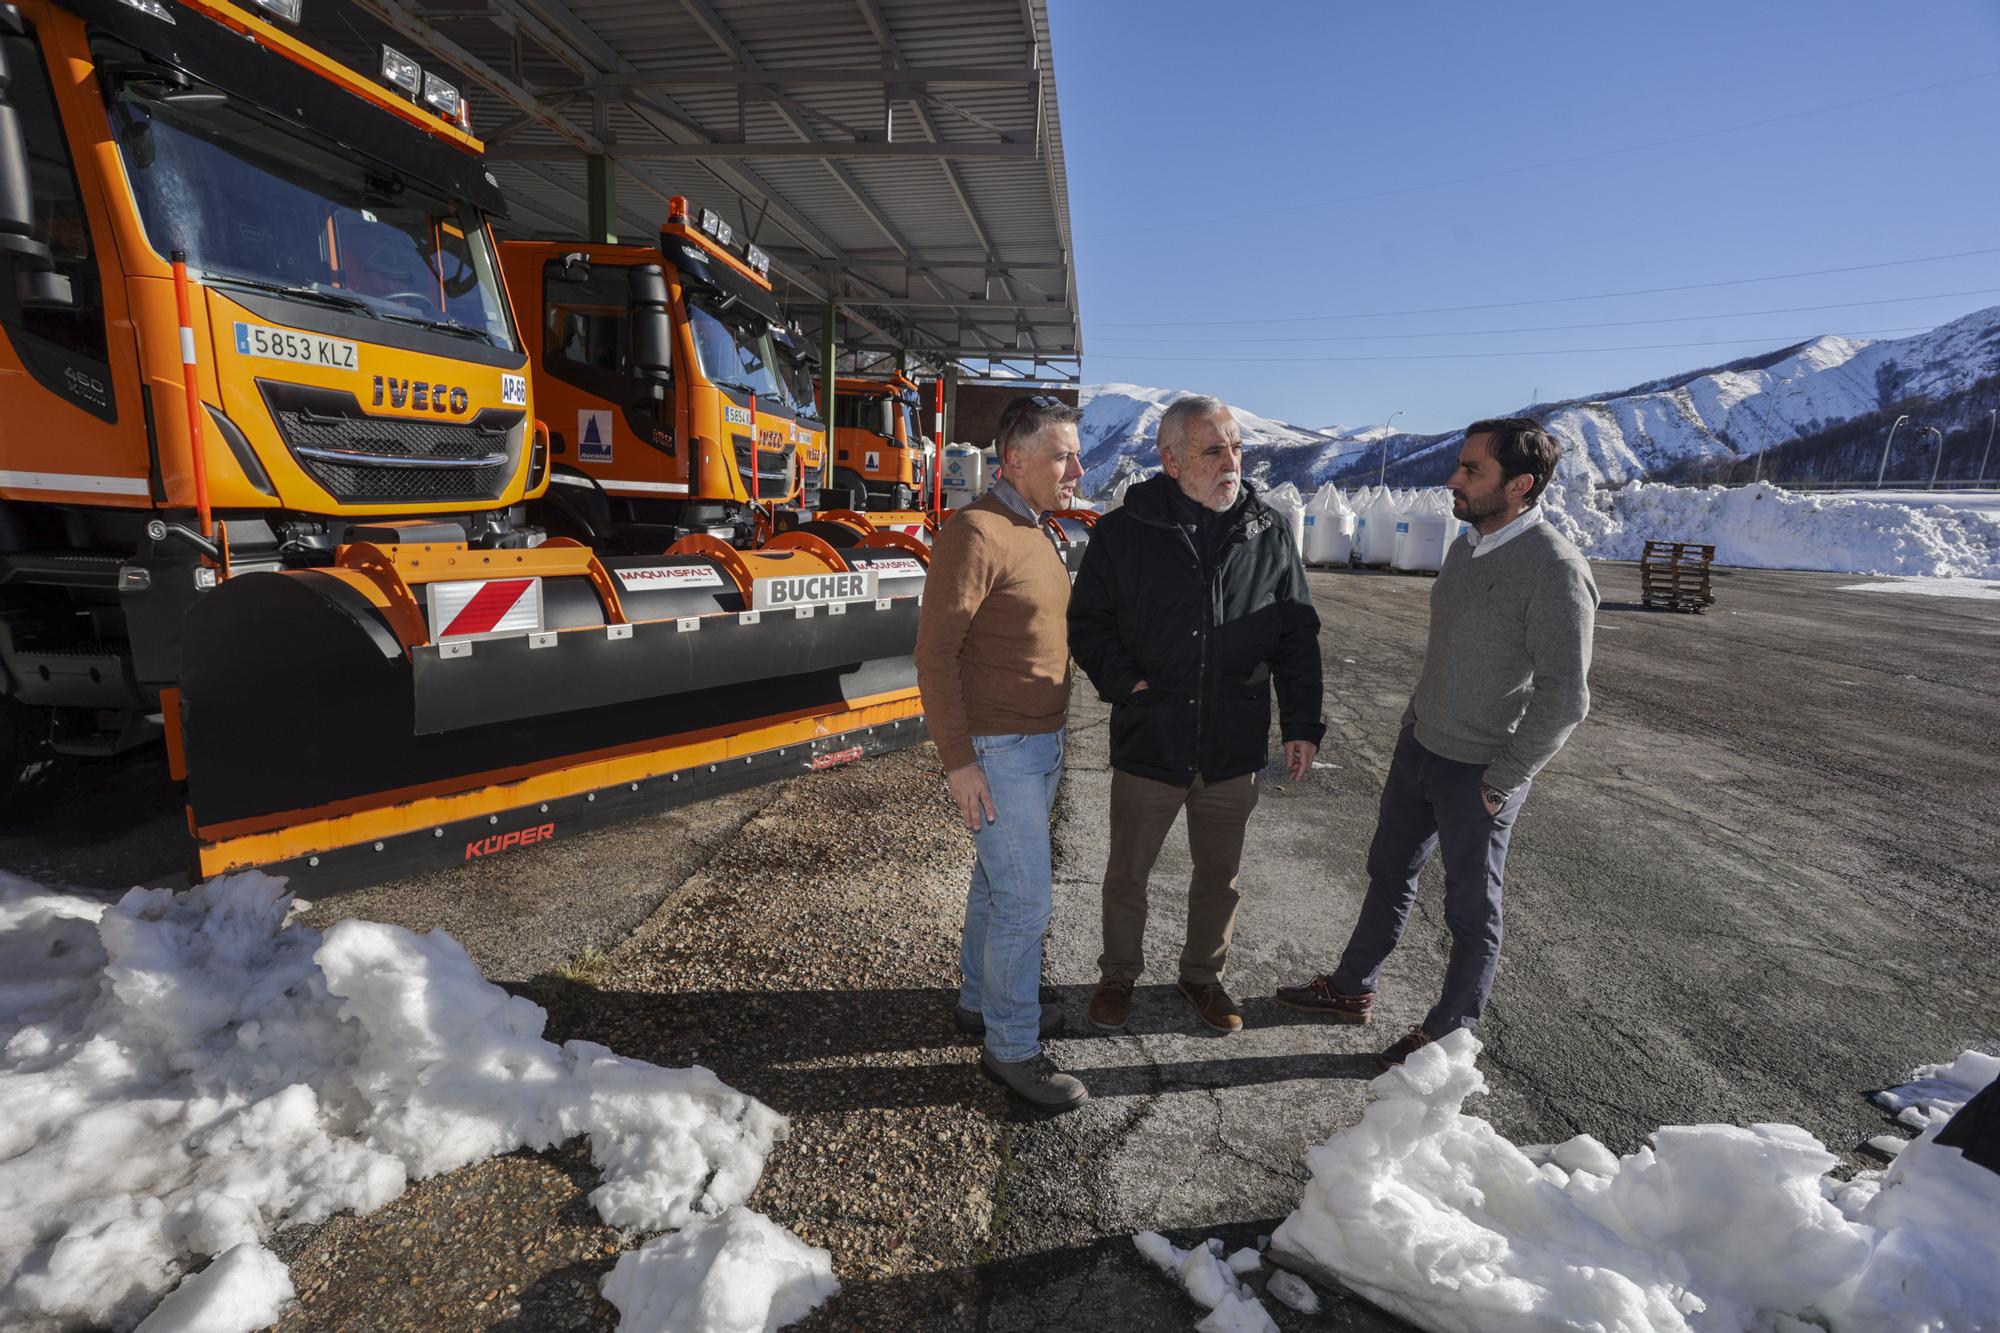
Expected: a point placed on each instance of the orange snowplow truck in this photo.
(266, 450)
(659, 372)
(880, 453)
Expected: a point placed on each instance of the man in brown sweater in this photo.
(993, 668)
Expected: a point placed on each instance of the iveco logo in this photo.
(419, 395)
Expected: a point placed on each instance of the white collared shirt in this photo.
(1493, 541)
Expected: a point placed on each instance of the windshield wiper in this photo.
(339, 300)
(740, 388)
(451, 326)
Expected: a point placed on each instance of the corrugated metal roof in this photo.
(905, 155)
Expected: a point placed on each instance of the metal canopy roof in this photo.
(903, 156)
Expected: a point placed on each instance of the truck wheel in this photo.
(845, 492)
(905, 498)
(27, 764)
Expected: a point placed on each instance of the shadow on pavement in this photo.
(1097, 1287)
(828, 1050)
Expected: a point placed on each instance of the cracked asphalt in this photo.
(1757, 885)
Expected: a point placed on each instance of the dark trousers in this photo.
(1433, 802)
(1142, 811)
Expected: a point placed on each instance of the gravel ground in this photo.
(808, 955)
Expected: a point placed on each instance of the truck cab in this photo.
(880, 454)
(671, 409)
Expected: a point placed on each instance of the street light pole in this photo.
(1939, 460)
(1883, 470)
(1382, 475)
(1990, 416)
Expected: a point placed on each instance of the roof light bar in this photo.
(402, 72)
(288, 10)
(757, 259)
(711, 221)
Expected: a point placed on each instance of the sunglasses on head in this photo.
(1020, 407)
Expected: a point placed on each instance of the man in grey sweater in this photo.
(1504, 682)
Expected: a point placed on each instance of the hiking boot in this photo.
(1319, 997)
(1410, 1043)
(1213, 1005)
(1035, 1081)
(973, 1023)
(1112, 1004)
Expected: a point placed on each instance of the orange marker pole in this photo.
(937, 463)
(192, 381)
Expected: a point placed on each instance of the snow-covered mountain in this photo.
(1796, 399)
(1121, 428)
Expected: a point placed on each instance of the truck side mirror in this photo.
(23, 254)
(652, 357)
(885, 425)
(574, 268)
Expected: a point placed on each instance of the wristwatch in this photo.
(1494, 796)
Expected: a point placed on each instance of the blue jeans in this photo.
(1009, 904)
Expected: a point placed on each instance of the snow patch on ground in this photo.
(1764, 527)
(180, 1074)
(1985, 590)
(1210, 1279)
(246, 1288)
(737, 1273)
(1935, 1093)
(1433, 1215)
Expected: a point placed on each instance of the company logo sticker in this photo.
(834, 758)
(669, 576)
(503, 842)
(593, 435)
(871, 460)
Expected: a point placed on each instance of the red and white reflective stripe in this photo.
(491, 606)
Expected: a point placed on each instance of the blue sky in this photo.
(1233, 166)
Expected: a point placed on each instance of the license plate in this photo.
(306, 349)
(485, 608)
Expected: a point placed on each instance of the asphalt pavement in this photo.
(1757, 884)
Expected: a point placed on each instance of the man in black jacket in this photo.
(1190, 603)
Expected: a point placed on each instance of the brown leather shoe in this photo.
(1410, 1043)
(1112, 1004)
(1213, 1005)
(1319, 997)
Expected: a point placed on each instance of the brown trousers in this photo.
(1142, 811)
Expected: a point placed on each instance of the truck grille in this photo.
(774, 469)
(361, 459)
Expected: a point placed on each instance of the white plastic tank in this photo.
(964, 474)
(1376, 541)
(1329, 528)
(1289, 507)
(1420, 541)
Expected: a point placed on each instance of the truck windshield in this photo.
(264, 203)
(734, 346)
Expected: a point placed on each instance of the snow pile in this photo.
(737, 1273)
(1211, 1279)
(1935, 1093)
(1982, 590)
(1764, 527)
(1431, 1214)
(247, 1287)
(180, 1074)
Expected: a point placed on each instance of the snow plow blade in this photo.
(418, 705)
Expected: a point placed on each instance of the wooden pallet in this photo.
(1673, 576)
